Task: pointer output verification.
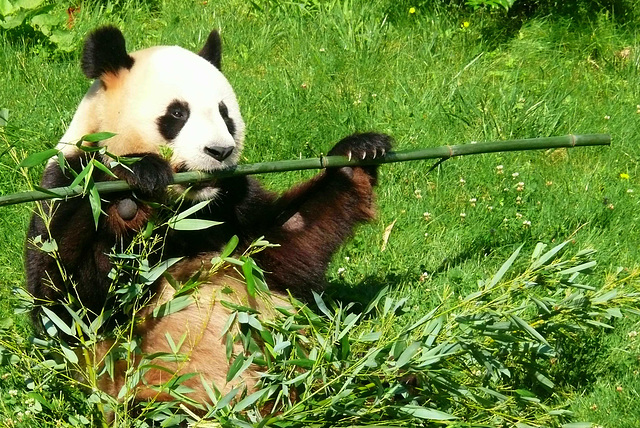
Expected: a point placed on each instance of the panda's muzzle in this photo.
(219, 153)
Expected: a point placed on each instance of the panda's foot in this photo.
(150, 175)
(368, 145)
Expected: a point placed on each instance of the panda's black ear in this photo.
(212, 50)
(105, 52)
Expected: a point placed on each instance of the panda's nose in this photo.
(219, 153)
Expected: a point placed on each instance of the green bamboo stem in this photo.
(442, 152)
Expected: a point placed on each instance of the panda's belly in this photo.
(198, 328)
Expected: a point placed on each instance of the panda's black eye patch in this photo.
(171, 122)
(224, 112)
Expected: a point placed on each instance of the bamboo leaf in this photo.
(247, 270)
(102, 167)
(407, 354)
(57, 321)
(230, 247)
(248, 401)
(370, 337)
(38, 158)
(224, 401)
(239, 308)
(253, 322)
(548, 255)
(191, 210)
(504, 268)
(97, 136)
(544, 380)
(81, 175)
(95, 202)
(537, 251)
(229, 323)
(69, 355)
(155, 273)
(321, 305)
(234, 367)
(604, 298)
(423, 320)
(193, 224)
(239, 368)
(350, 322)
(426, 413)
(300, 362)
(281, 346)
(579, 268)
(172, 306)
(532, 331)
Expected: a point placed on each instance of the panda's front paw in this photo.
(150, 175)
(368, 145)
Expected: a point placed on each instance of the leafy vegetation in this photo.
(435, 75)
(45, 19)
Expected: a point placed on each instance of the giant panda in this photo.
(166, 96)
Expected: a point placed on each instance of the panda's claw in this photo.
(375, 152)
(364, 155)
(349, 155)
(384, 152)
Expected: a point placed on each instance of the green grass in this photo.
(307, 77)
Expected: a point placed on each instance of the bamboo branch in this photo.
(442, 152)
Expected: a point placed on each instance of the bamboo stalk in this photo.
(442, 152)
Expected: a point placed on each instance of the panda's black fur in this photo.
(308, 222)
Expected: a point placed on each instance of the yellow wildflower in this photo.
(466, 24)
(624, 176)
(412, 10)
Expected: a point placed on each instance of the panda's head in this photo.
(157, 98)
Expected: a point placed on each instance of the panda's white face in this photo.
(169, 97)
